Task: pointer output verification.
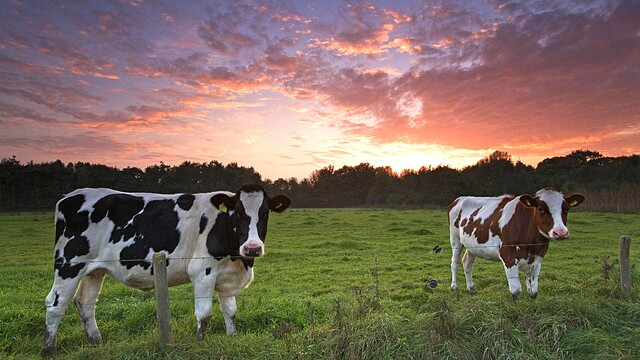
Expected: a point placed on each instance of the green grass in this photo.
(316, 295)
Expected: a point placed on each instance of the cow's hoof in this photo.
(454, 288)
(533, 296)
(515, 296)
(202, 327)
(472, 291)
(95, 338)
(48, 351)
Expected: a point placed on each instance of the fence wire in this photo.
(348, 290)
(437, 249)
(430, 282)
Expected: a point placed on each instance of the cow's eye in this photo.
(542, 211)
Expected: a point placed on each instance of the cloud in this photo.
(539, 78)
(14, 115)
(233, 28)
(364, 29)
(474, 75)
(59, 145)
(360, 92)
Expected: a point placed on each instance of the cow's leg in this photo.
(57, 302)
(532, 280)
(467, 260)
(456, 250)
(515, 288)
(228, 308)
(85, 301)
(203, 291)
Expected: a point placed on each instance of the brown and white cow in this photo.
(513, 229)
(211, 240)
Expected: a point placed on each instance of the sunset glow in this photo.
(291, 87)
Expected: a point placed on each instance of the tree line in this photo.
(609, 183)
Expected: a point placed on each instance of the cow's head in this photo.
(550, 211)
(249, 212)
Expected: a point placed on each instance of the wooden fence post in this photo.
(163, 309)
(625, 270)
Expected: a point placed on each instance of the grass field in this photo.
(349, 284)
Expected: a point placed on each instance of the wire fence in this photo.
(436, 249)
(368, 280)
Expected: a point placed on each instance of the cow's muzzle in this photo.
(252, 251)
(560, 234)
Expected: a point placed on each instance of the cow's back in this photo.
(118, 232)
(477, 222)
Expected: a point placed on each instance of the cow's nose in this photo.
(252, 251)
(560, 234)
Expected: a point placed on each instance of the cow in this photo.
(515, 230)
(210, 239)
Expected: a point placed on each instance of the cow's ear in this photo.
(223, 202)
(279, 203)
(528, 200)
(575, 200)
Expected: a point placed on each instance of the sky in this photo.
(288, 87)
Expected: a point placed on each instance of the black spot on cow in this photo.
(66, 269)
(77, 246)
(55, 301)
(207, 271)
(221, 240)
(247, 262)
(60, 225)
(185, 201)
(251, 188)
(263, 213)
(120, 208)
(73, 223)
(71, 205)
(203, 223)
(154, 229)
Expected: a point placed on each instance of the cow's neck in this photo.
(528, 229)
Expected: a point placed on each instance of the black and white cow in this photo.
(210, 239)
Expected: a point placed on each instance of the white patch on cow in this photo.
(252, 203)
(485, 207)
(513, 279)
(232, 277)
(507, 212)
(554, 201)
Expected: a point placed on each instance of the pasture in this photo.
(349, 284)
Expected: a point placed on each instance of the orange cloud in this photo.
(367, 42)
(404, 45)
(79, 71)
(397, 17)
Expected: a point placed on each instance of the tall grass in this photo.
(625, 199)
(349, 284)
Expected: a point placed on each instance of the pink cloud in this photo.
(365, 30)
(233, 28)
(539, 79)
